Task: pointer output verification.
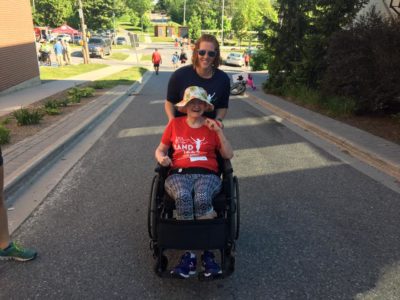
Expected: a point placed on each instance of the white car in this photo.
(235, 58)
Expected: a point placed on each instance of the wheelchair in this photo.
(220, 233)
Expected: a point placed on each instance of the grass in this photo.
(52, 73)
(146, 57)
(125, 77)
(119, 56)
(157, 39)
(122, 47)
(332, 105)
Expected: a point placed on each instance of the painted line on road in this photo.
(356, 151)
(232, 123)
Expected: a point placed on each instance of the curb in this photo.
(357, 151)
(38, 164)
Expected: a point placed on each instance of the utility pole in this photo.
(85, 51)
(184, 13)
(222, 23)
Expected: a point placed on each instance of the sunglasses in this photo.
(210, 53)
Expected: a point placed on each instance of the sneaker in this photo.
(186, 267)
(209, 264)
(15, 252)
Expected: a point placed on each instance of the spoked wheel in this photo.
(236, 198)
(152, 208)
(235, 209)
(238, 88)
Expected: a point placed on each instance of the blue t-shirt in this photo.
(218, 86)
(58, 49)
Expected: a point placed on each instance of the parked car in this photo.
(121, 40)
(76, 39)
(65, 37)
(99, 46)
(235, 58)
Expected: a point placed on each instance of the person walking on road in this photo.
(58, 51)
(9, 250)
(203, 72)
(183, 57)
(246, 59)
(156, 60)
(175, 59)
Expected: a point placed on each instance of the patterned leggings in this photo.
(181, 187)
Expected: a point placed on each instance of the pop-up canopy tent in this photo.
(66, 30)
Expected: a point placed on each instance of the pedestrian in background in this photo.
(9, 250)
(246, 59)
(156, 60)
(58, 51)
(66, 52)
(250, 82)
(175, 60)
(183, 57)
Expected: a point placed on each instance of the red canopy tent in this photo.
(66, 30)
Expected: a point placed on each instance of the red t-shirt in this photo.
(156, 58)
(193, 147)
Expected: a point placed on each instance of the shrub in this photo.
(74, 95)
(6, 121)
(63, 102)
(4, 135)
(259, 61)
(87, 92)
(25, 116)
(98, 85)
(52, 111)
(51, 104)
(363, 64)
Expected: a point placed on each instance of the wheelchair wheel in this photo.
(238, 88)
(161, 265)
(235, 215)
(152, 208)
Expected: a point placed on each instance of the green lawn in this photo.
(52, 73)
(162, 39)
(126, 77)
(122, 47)
(146, 57)
(119, 56)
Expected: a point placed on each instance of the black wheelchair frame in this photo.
(220, 233)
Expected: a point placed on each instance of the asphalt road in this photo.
(312, 226)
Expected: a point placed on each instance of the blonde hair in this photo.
(206, 38)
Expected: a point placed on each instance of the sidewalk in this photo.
(375, 151)
(28, 156)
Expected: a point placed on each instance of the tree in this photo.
(194, 27)
(141, 8)
(249, 16)
(298, 42)
(52, 13)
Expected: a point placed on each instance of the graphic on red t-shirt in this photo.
(193, 147)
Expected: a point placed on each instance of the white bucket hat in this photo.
(196, 92)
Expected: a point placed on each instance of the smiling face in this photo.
(195, 108)
(205, 61)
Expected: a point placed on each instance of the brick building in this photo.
(18, 58)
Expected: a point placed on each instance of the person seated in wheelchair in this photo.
(193, 178)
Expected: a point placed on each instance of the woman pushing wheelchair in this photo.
(193, 178)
